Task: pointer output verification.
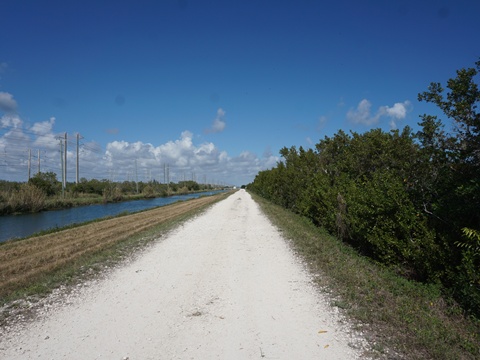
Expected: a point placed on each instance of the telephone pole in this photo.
(63, 172)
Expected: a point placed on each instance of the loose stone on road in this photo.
(224, 285)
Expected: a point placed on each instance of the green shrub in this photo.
(112, 193)
(148, 191)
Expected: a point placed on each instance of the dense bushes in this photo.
(28, 198)
(47, 182)
(400, 198)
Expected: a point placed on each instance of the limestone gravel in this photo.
(224, 285)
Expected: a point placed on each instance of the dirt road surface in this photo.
(224, 285)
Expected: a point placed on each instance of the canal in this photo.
(20, 226)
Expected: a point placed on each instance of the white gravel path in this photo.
(225, 285)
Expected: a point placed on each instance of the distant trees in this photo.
(47, 182)
(44, 191)
(410, 201)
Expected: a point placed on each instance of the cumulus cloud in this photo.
(43, 127)
(9, 120)
(397, 112)
(44, 136)
(122, 160)
(23, 144)
(7, 102)
(185, 159)
(14, 133)
(15, 141)
(181, 154)
(219, 123)
(363, 114)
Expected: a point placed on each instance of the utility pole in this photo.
(61, 162)
(38, 161)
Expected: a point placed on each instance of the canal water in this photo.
(19, 226)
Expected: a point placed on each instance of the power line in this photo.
(20, 148)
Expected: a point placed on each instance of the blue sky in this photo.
(214, 88)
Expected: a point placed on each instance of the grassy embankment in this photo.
(36, 265)
(401, 317)
(59, 202)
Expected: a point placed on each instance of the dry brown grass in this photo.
(24, 261)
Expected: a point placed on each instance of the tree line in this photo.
(410, 201)
(43, 192)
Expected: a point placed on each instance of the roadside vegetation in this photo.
(408, 202)
(401, 318)
(44, 192)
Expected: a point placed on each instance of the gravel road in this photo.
(224, 285)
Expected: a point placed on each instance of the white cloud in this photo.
(10, 121)
(20, 145)
(44, 136)
(7, 102)
(122, 160)
(363, 115)
(181, 154)
(219, 123)
(43, 127)
(185, 159)
(397, 112)
(14, 135)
